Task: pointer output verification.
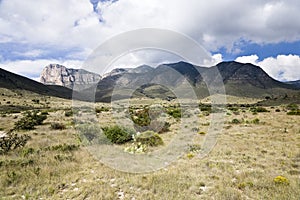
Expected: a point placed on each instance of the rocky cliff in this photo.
(55, 74)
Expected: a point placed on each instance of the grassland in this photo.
(252, 149)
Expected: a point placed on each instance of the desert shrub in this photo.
(117, 134)
(235, 121)
(293, 112)
(63, 147)
(277, 110)
(174, 112)
(26, 151)
(101, 109)
(205, 107)
(57, 126)
(243, 185)
(292, 106)
(258, 109)
(68, 113)
(37, 101)
(149, 138)
(194, 147)
(140, 117)
(156, 126)
(281, 180)
(190, 155)
(255, 121)
(12, 141)
(201, 133)
(29, 120)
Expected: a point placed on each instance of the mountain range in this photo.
(165, 81)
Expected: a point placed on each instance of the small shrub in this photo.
(243, 185)
(63, 147)
(155, 125)
(235, 121)
(117, 134)
(27, 151)
(149, 138)
(293, 112)
(255, 121)
(68, 113)
(190, 155)
(292, 106)
(102, 109)
(57, 126)
(194, 147)
(174, 112)
(12, 141)
(29, 120)
(258, 109)
(140, 117)
(281, 180)
(201, 133)
(37, 101)
(277, 110)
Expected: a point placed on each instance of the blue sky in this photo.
(34, 34)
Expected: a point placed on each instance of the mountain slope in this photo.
(55, 74)
(13, 81)
(239, 79)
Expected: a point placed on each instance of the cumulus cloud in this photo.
(33, 68)
(214, 23)
(282, 67)
(80, 24)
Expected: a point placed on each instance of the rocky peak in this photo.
(55, 74)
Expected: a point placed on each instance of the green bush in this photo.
(68, 113)
(255, 121)
(29, 120)
(292, 106)
(293, 112)
(12, 141)
(140, 117)
(57, 126)
(149, 138)
(117, 134)
(235, 121)
(174, 112)
(258, 109)
(102, 109)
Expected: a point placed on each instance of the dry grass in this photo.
(243, 164)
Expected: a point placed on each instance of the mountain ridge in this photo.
(239, 80)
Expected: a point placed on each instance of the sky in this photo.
(34, 33)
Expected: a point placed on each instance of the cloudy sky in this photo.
(34, 33)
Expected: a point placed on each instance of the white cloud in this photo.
(283, 67)
(33, 68)
(30, 54)
(247, 59)
(74, 24)
(214, 23)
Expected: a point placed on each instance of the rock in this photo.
(55, 74)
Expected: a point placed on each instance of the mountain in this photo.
(239, 79)
(294, 83)
(55, 74)
(249, 80)
(13, 81)
(184, 79)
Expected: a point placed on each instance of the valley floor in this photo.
(257, 156)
